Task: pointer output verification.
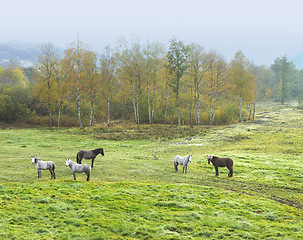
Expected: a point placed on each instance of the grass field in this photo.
(133, 196)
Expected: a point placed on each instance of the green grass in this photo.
(133, 196)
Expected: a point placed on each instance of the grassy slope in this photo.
(131, 195)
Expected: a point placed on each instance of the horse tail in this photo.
(231, 168)
(78, 158)
(54, 166)
(88, 174)
(231, 171)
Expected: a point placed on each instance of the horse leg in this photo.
(74, 175)
(51, 172)
(231, 171)
(184, 168)
(176, 166)
(79, 158)
(39, 173)
(87, 174)
(54, 166)
(93, 159)
(217, 171)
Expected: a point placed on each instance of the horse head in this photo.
(33, 159)
(190, 157)
(67, 162)
(209, 158)
(101, 151)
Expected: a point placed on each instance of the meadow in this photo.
(132, 195)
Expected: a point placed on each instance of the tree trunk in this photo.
(59, 115)
(108, 111)
(211, 110)
(133, 98)
(50, 115)
(91, 114)
(254, 110)
(190, 108)
(165, 114)
(178, 109)
(154, 101)
(79, 110)
(148, 102)
(211, 102)
(137, 101)
(216, 103)
(240, 116)
(198, 104)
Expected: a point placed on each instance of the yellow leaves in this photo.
(269, 93)
(13, 76)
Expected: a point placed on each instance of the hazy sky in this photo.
(261, 29)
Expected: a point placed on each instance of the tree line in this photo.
(142, 83)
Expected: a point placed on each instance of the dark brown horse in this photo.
(89, 155)
(221, 162)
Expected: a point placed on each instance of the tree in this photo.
(177, 64)
(241, 78)
(74, 74)
(47, 66)
(13, 75)
(91, 78)
(108, 69)
(132, 72)
(216, 82)
(196, 60)
(264, 82)
(282, 69)
(152, 54)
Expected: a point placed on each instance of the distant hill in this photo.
(24, 54)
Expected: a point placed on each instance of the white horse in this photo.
(182, 161)
(79, 168)
(44, 165)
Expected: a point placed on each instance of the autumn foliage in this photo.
(134, 82)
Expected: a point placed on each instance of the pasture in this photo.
(131, 195)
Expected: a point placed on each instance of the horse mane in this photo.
(36, 159)
(97, 151)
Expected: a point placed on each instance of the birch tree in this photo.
(108, 68)
(216, 83)
(73, 72)
(92, 79)
(199, 64)
(132, 70)
(152, 56)
(241, 78)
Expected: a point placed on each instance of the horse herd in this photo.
(80, 168)
(74, 167)
(216, 161)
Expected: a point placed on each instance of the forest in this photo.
(142, 83)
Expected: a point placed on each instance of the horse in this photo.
(89, 155)
(221, 162)
(182, 161)
(78, 168)
(44, 165)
